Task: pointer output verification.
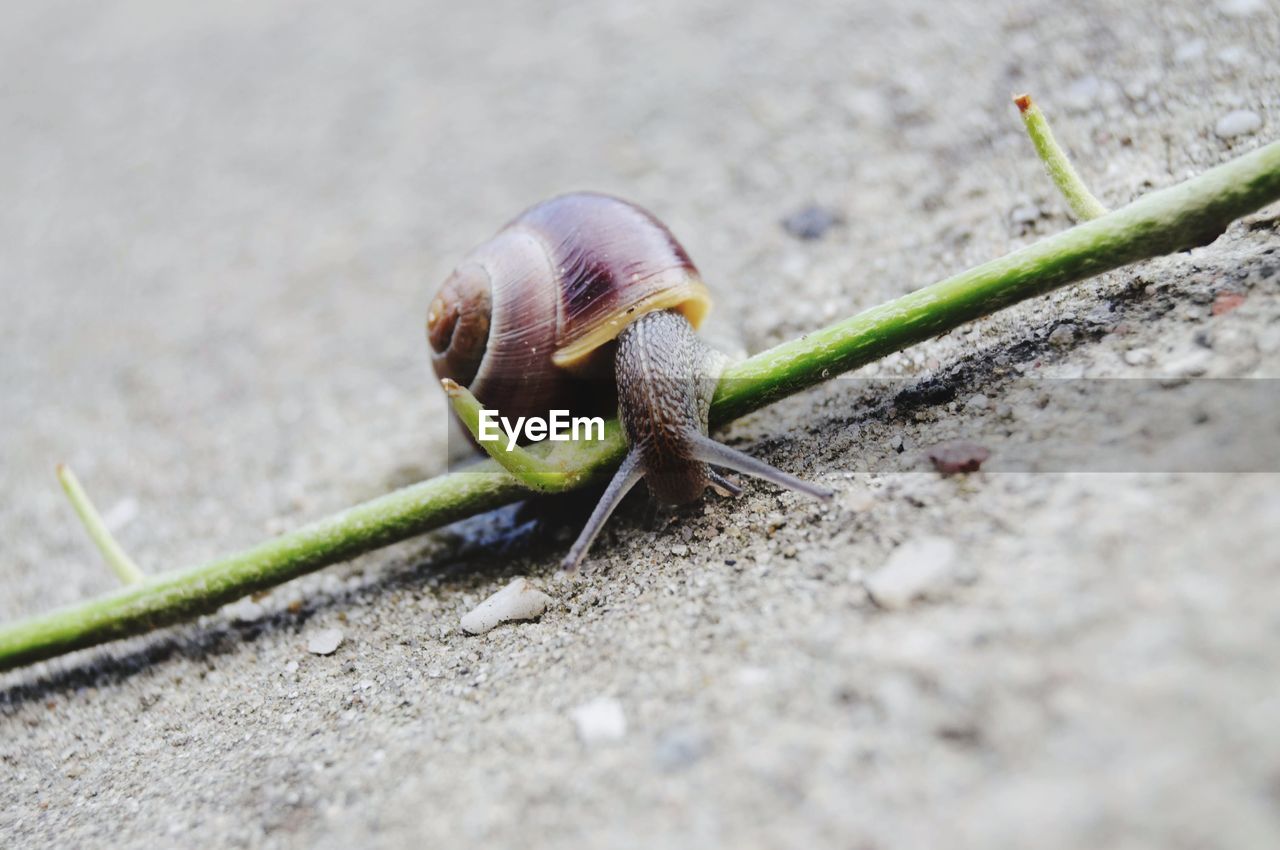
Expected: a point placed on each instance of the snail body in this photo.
(534, 318)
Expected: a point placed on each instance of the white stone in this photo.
(752, 677)
(1191, 365)
(245, 611)
(1062, 335)
(600, 721)
(913, 570)
(1234, 55)
(1189, 50)
(1241, 122)
(519, 600)
(1025, 214)
(121, 514)
(325, 642)
(1241, 8)
(1138, 356)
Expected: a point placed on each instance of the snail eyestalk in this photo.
(1064, 175)
(539, 473)
(710, 451)
(114, 555)
(627, 476)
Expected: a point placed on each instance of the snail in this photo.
(574, 290)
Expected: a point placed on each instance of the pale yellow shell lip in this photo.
(691, 298)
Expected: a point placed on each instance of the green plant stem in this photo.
(170, 597)
(114, 555)
(1082, 202)
(547, 471)
(1183, 216)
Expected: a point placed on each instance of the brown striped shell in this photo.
(522, 319)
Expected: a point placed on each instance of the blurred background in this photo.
(222, 224)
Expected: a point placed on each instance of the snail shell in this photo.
(530, 317)
(527, 317)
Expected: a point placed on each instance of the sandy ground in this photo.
(222, 225)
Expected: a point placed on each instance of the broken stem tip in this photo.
(115, 556)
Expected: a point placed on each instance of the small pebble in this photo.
(1189, 50)
(1241, 122)
(519, 600)
(958, 456)
(121, 514)
(1241, 8)
(1235, 55)
(915, 569)
(245, 611)
(811, 222)
(1101, 314)
(977, 402)
(600, 721)
(1062, 335)
(1138, 356)
(1025, 214)
(1192, 365)
(1225, 302)
(325, 642)
(1136, 89)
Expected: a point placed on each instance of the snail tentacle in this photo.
(723, 485)
(627, 476)
(709, 451)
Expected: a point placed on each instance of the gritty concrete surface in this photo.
(221, 226)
